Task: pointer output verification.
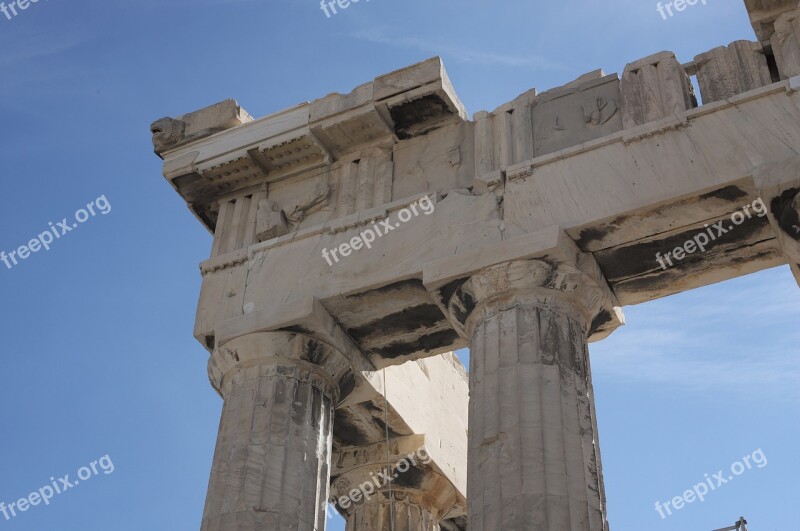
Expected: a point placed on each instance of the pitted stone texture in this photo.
(534, 457)
(654, 88)
(727, 71)
(786, 44)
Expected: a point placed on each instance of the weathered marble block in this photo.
(764, 12)
(654, 88)
(727, 71)
(786, 44)
(169, 133)
(584, 110)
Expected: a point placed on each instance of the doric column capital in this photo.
(369, 474)
(541, 282)
(787, 207)
(778, 185)
(285, 354)
(544, 267)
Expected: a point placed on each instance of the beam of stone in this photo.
(428, 396)
(586, 189)
(379, 487)
(271, 465)
(436, 405)
(727, 71)
(534, 458)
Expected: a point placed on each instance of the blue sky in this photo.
(98, 354)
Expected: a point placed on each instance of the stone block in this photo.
(654, 88)
(786, 44)
(727, 71)
(764, 12)
(270, 221)
(583, 110)
(169, 133)
(488, 182)
(418, 99)
(345, 123)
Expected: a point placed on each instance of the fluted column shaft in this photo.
(378, 513)
(534, 458)
(532, 438)
(271, 466)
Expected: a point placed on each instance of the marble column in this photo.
(271, 466)
(534, 457)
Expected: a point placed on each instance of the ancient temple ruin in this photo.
(547, 215)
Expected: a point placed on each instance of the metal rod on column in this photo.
(388, 467)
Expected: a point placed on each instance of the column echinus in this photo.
(534, 457)
(271, 465)
(408, 495)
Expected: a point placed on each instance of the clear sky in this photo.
(98, 356)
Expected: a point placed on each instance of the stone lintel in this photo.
(440, 380)
(537, 244)
(551, 245)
